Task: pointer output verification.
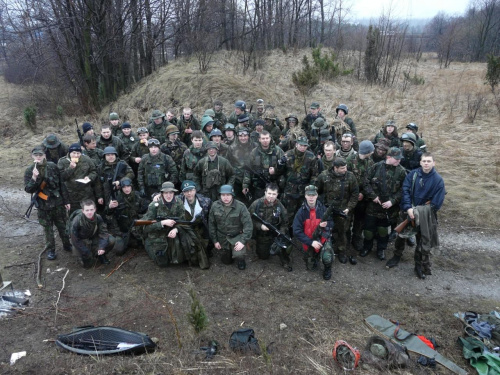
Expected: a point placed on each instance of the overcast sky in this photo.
(407, 8)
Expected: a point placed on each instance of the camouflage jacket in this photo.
(123, 152)
(223, 150)
(84, 168)
(239, 156)
(155, 170)
(97, 155)
(205, 204)
(158, 131)
(231, 224)
(233, 119)
(82, 230)
(175, 150)
(190, 158)
(384, 181)
(138, 151)
(130, 207)
(129, 141)
(220, 120)
(300, 172)
(351, 124)
(201, 175)
(162, 209)
(324, 164)
(275, 132)
(116, 130)
(341, 191)
(274, 213)
(393, 141)
(260, 161)
(182, 124)
(55, 189)
(106, 174)
(54, 154)
(359, 167)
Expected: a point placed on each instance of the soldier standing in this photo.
(381, 148)
(420, 143)
(91, 150)
(173, 146)
(326, 161)
(314, 113)
(389, 132)
(114, 122)
(44, 180)
(315, 241)
(212, 172)
(106, 139)
(229, 134)
(230, 227)
(127, 136)
(54, 148)
(140, 149)
(220, 118)
(383, 190)
(216, 136)
(187, 124)
(192, 156)
(239, 157)
(158, 126)
(346, 146)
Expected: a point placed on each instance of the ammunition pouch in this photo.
(213, 178)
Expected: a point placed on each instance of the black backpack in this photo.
(244, 341)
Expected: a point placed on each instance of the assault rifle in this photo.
(281, 239)
(37, 194)
(80, 136)
(139, 222)
(113, 188)
(260, 175)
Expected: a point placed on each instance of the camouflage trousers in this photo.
(265, 247)
(421, 256)
(326, 254)
(292, 202)
(376, 228)
(58, 217)
(340, 228)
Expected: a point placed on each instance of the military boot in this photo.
(411, 241)
(419, 272)
(103, 259)
(51, 255)
(381, 254)
(327, 272)
(393, 262)
(342, 258)
(242, 264)
(353, 260)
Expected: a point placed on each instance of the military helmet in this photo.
(318, 123)
(243, 129)
(226, 189)
(113, 116)
(412, 126)
(215, 132)
(142, 130)
(211, 144)
(229, 126)
(153, 142)
(409, 137)
(157, 114)
(206, 120)
(171, 129)
(110, 150)
(51, 141)
(342, 107)
(125, 181)
(241, 105)
(291, 115)
(390, 123)
(209, 112)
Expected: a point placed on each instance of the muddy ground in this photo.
(141, 297)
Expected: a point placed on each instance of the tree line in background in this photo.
(95, 49)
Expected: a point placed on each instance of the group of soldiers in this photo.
(185, 188)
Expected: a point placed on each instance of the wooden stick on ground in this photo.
(39, 272)
(59, 295)
(121, 264)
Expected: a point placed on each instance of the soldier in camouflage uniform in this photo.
(309, 216)
(220, 118)
(264, 162)
(259, 128)
(270, 209)
(381, 148)
(139, 150)
(300, 170)
(359, 164)
(106, 139)
(171, 116)
(321, 132)
(420, 143)
(114, 122)
(339, 188)
(314, 113)
(91, 150)
(212, 172)
(389, 132)
(207, 125)
(216, 136)
(192, 156)
(326, 161)
(261, 110)
(240, 108)
(173, 146)
(411, 154)
(52, 201)
(187, 124)
(229, 134)
(157, 126)
(128, 137)
(346, 146)
(230, 227)
(120, 216)
(342, 112)
(383, 191)
(76, 166)
(110, 172)
(155, 168)
(272, 128)
(89, 235)
(290, 133)
(239, 156)
(54, 148)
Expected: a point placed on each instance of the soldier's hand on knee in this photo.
(238, 246)
(317, 246)
(217, 246)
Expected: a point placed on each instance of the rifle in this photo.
(37, 194)
(115, 178)
(260, 175)
(139, 222)
(80, 136)
(281, 238)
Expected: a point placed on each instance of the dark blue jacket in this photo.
(301, 217)
(427, 187)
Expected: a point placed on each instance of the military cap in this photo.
(75, 147)
(38, 150)
(125, 181)
(110, 150)
(126, 125)
(168, 186)
(226, 189)
(383, 143)
(51, 141)
(209, 112)
(86, 127)
(395, 153)
(366, 147)
(153, 142)
(243, 118)
(339, 162)
(211, 145)
(314, 105)
(172, 129)
(142, 130)
(114, 116)
(303, 141)
(157, 114)
(311, 190)
(259, 122)
(188, 185)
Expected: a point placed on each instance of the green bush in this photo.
(326, 64)
(30, 116)
(415, 80)
(59, 111)
(493, 71)
(197, 317)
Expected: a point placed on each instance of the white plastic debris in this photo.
(283, 326)
(15, 356)
(27, 293)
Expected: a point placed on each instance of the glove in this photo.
(142, 193)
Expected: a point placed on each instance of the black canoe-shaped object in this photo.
(105, 340)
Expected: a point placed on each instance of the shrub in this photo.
(197, 317)
(30, 116)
